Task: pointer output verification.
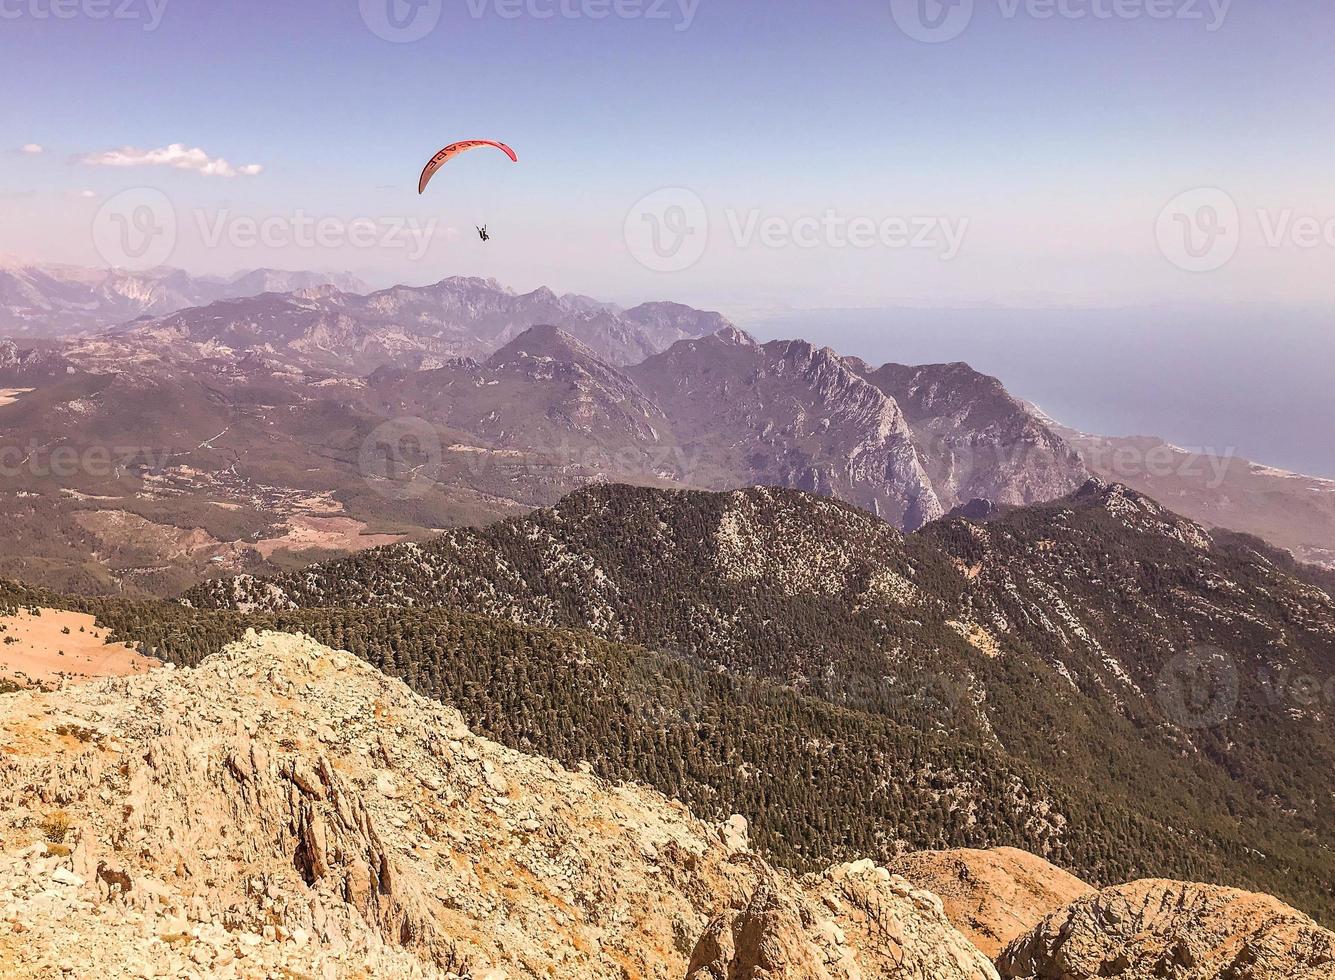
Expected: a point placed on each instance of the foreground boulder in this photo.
(994, 896)
(1167, 930)
(854, 922)
(288, 810)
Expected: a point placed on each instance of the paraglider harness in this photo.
(482, 233)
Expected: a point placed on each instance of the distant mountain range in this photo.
(242, 425)
(416, 327)
(44, 301)
(263, 414)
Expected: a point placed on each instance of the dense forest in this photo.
(819, 782)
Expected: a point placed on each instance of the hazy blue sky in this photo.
(1048, 146)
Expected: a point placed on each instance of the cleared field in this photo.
(306, 533)
(54, 646)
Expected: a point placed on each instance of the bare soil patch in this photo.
(56, 646)
(307, 533)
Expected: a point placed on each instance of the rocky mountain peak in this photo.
(736, 336)
(326, 293)
(474, 283)
(1151, 930)
(793, 415)
(978, 441)
(285, 808)
(543, 340)
(1138, 512)
(933, 389)
(674, 321)
(545, 353)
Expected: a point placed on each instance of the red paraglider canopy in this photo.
(452, 151)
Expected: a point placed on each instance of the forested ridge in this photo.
(851, 690)
(818, 782)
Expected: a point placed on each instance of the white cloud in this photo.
(32, 149)
(177, 156)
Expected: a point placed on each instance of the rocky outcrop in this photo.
(59, 300)
(789, 414)
(995, 896)
(1167, 930)
(977, 440)
(665, 324)
(1220, 489)
(286, 809)
(20, 366)
(855, 921)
